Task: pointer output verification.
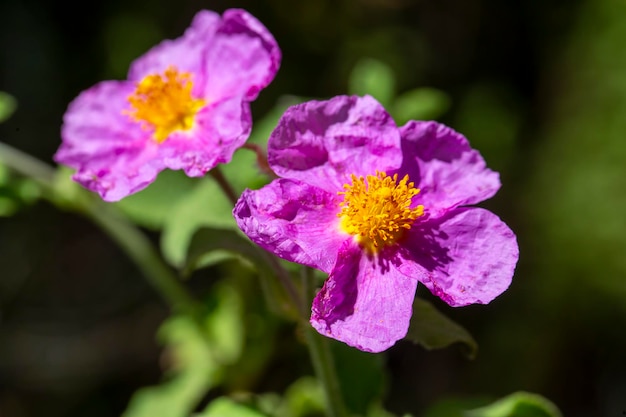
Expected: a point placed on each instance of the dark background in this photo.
(539, 87)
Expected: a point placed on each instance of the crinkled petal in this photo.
(243, 57)
(220, 129)
(295, 221)
(465, 257)
(187, 53)
(443, 165)
(364, 303)
(323, 142)
(113, 156)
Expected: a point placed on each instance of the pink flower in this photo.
(379, 208)
(185, 106)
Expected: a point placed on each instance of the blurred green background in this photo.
(539, 87)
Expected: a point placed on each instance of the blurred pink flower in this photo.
(185, 106)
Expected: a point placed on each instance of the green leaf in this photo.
(361, 376)
(420, 104)
(454, 406)
(197, 357)
(205, 205)
(194, 372)
(305, 397)
(152, 206)
(16, 192)
(225, 407)
(433, 330)
(8, 104)
(373, 77)
(519, 404)
(208, 240)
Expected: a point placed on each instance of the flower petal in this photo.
(364, 303)
(295, 221)
(187, 53)
(323, 142)
(466, 257)
(221, 128)
(243, 58)
(443, 165)
(112, 155)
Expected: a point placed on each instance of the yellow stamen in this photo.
(377, 210)
(164, 103)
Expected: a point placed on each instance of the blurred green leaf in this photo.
(152, 206)
(377, 410)
(196, 358)
(373, 77)
(206, 241)
(8, 104)
(205, 205)
(225, 407)
(361, 376)
(193, 372)
(454, 406)
(432, 330)
(303, 398)
(420, 104)
(490, 116)
(519, 404)
(16, 192)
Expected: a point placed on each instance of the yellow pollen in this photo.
(377, 210)
(163, 102)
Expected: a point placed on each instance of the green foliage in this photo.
(197, 358)
(432, 330)
(489, 115)
(225, 407)
(373, 77)
(232, 243)
(303, 398)
(153, 206)
(423, 103)
(519, 404)
(361, 376)
(205, 205)
(8, 104)
(15, 192)
(455, 406)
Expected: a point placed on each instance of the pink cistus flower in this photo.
(379, 208)
(185, 106)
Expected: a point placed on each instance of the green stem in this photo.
(321, 356)
(274, 263)
(228, 189)
(136, 245)
(27, 165)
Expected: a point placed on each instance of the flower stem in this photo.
(321, 356)
(273, 262)
(221, 180)
(136, 245)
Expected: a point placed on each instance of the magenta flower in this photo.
(185, 106)
(379, 208)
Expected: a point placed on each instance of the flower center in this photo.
(164, 103)
(377, 210)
